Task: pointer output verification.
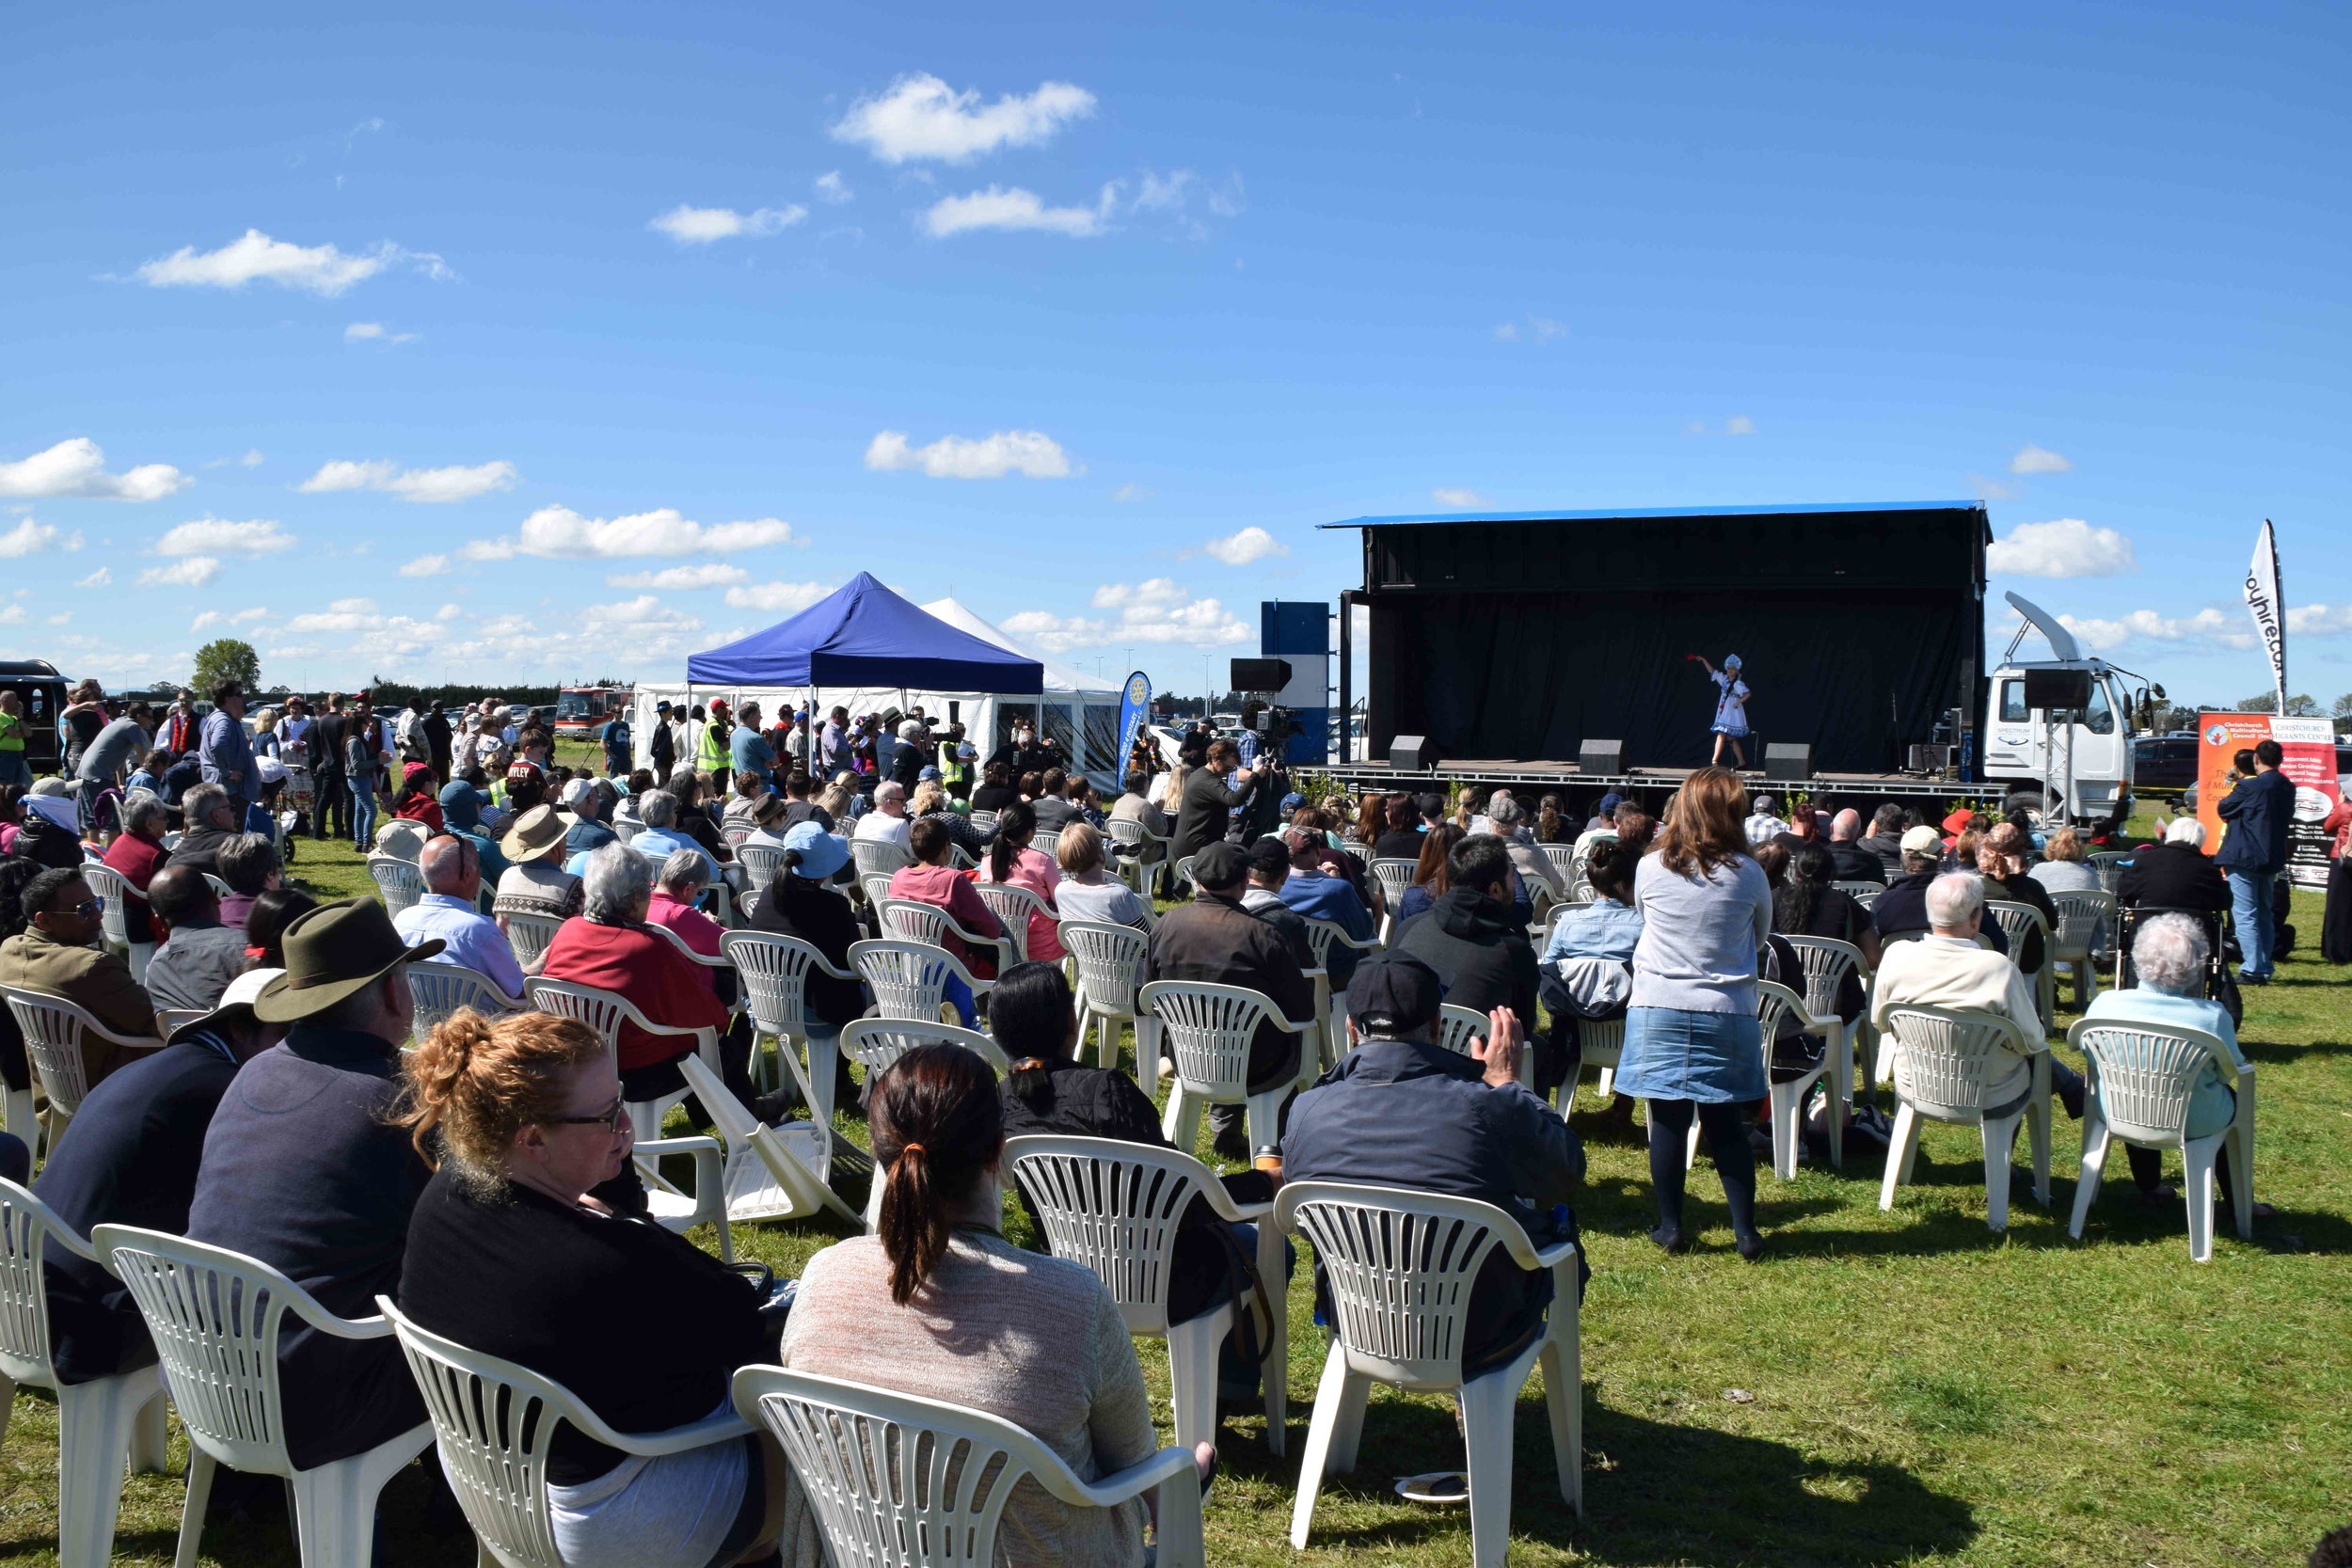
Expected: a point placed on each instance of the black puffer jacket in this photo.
(1480, 952)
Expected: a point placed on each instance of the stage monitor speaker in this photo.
(1787, 762)
(1260, 674)
(2057, 689)
(1926, 758)
(1606, 757)
(1411, 753)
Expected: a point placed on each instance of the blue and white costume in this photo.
(1731, 709)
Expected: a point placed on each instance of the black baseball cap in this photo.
(1394, 992)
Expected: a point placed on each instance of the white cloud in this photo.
(1130, 492)
(210, 617)
(1446, 495)
(61, 618)
(679, 578)
(2031, 459)
(2319, 620)
(1529, 330)
(13, 616)
(376, 332)
(1026, 452)
(29, 537)
(2062, 547)
(77, 467)
(2207, 626)
(922, 117)
(703, 225)
(832, 187)
(341, 615)
(100, 579)
(252, 458)
(458, 483)
(447, 612)
(778, 598)
(189, 571)
(1157, 610)
(1240, 549)
(558, 532)
(1010, 207)
(219, 536)
(1739, 424)
(425, 567)
(320, 269)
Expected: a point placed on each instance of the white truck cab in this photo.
(2070, 765)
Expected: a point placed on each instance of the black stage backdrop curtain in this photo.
(1526, 677)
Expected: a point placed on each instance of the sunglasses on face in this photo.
(614, 1120)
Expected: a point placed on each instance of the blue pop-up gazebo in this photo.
(864, 636)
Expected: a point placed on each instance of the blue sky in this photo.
(558, 309)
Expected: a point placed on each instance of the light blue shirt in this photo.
(468, 938)
(2213, 1104)
(659, 843)
(750, 752)
(1603, 929)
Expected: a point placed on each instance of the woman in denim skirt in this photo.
(1693, 1045)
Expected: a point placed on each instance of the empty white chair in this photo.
(1110, 970)
(400, 883)
(2087, 925)
(1399, 1266)
(1599, 1045)
(605, 1012)
(774, 969)
(1827, 962)
(1116, 1207)
(1014, 907)
(529, 936)
(99, 1421)
(440, 989)
(1564, 857)
(2017, 922)
(1323, 936)
(53, 1028)
(1773, 1003)
(1208, 1031)
(494, 1422)
(112, 888)
(1394, 875)
(769, 1173)
(908, 979)
(878, 856)
(898, 1480)
(1942, 1061)
(214, 1316)
(2139, 1079)
(2109, 867)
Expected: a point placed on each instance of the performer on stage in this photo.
(1731, 708)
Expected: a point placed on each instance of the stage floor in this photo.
(1515, 772)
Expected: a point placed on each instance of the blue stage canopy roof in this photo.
(863, 635)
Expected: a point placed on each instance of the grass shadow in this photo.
(1654, 1491)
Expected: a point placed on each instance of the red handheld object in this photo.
(1694, 658)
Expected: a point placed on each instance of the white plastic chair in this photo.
(1116, 1207)
(1209, 1028)
(1400, 1267)
(169, 1021)
(219, 885)
(1014, 907)
(875, 1043)
(494, 1422)
(529, 936)
(1827, 961)
(99, 1421)
(1861, 891)
(53, 1028)
(112, 888)
(769, 1173)
(1773, 1003)
(2140, 1078)
(1321, 937)
(440, 989)
(1564, 857)
(898, 1480)
(2087, 923)
(911, 920)
(400, 883)
(876, 887)
(605, 1012)
(908, 979)
(1599, 1045)
(215, 1316)
(1183, 870)
(1138, 871)
(878, 856)
(760, 862)
(1941, 1061)
(2017, 920)
(1394, 875)
(774, 969)
(2109, 865)
(984, 822)
(1110, 970)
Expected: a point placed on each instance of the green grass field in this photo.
(1917, 1390)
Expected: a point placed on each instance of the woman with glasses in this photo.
(516, 1250)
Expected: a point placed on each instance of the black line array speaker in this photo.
(1787, 762)
(1412, 753)
(2057, 689)
(1600, 757)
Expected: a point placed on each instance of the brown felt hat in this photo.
(332, 952)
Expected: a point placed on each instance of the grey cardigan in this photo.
(1700, 936)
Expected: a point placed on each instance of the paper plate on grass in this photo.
(1435, 1487)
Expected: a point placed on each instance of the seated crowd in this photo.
(483, 1179)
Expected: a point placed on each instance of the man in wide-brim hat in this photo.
(304, 1169)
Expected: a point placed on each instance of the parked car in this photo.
(2162, 763)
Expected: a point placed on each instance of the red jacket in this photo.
(664, 984)
(138, 859)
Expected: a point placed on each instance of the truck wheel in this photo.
(2023, 799)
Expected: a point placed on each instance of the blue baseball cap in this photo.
(929, 773)
(821, 853)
